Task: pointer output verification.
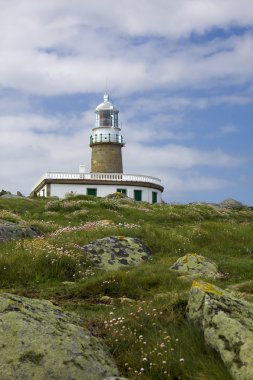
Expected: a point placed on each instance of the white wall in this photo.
(43, 192)
(102, 190)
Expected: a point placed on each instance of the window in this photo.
(138, 195)
(105, 119)
(154, 197)
(92, 192)
(123, 191)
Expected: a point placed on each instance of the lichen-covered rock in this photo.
(231, 203)
(40, 341)
(115, 301)
(194, 265)
(116, 251)
(227, 324)
(10, 230)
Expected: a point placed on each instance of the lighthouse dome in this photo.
(106, 105)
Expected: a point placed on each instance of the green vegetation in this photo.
(138, 312)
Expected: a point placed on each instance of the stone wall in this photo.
(106, 158)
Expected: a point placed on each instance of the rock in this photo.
(231, 203)
(20, 194)
(194, 265)
(9, 196)
(227, 324)
(106, 299)
(10, 230)
(3, 192)
(40, 341)
(126, 300)
(120, 300)
(116, 252)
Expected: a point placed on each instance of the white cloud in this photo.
(54, 47)
(173, 156)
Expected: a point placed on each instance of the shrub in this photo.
(10, 216)
(53, 206)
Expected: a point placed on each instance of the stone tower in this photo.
(105, 141)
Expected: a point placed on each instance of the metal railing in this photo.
(106, 138)
(99, 177)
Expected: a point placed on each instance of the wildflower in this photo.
(181, 360)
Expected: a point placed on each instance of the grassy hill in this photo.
(138, 312)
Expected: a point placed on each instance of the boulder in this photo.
(231, 203)
(40, 341)
(10, 230)
(227, 325)
(10, 196)
(116, 251)
(194, 265)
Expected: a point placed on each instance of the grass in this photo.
(138, 312)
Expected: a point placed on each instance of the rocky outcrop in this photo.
(10, 230)
(227, 324)
(40, 341)
(232, 204)
(116, 251)
(194, 266)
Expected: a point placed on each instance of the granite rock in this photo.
(40, 341)
(10, 230)
(116, 252)
(227, 325)
(194, 266)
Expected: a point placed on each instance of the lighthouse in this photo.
(106, 141)
(106, 175)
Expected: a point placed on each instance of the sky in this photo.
(180, 73)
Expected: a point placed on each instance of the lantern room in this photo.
(106, 114)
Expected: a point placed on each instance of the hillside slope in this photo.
(139, 312)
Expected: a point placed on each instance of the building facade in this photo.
(106, 175)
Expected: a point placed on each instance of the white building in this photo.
(106, 176)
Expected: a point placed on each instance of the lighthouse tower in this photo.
(106, 141)
(106, 176)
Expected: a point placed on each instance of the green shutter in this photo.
(92, 192)
(154, 197)
(138, 195)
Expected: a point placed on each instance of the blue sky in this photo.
(180, 72)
